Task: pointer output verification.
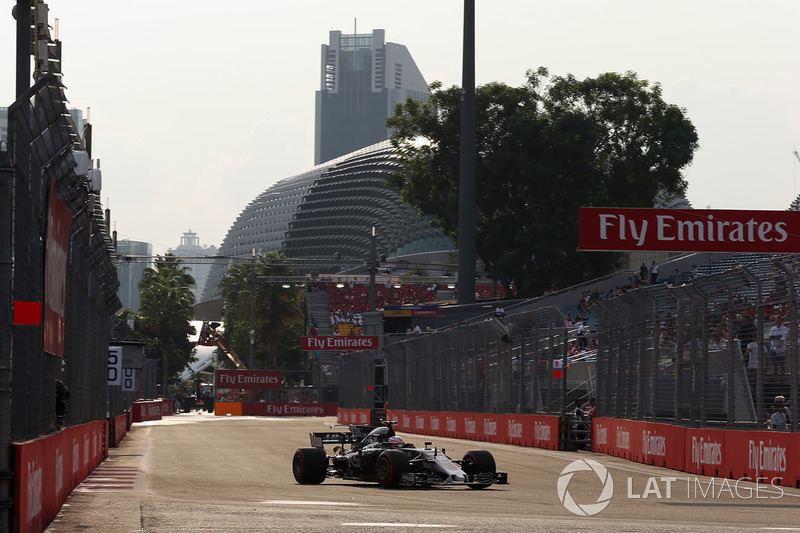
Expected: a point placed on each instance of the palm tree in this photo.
(166, 312)
(278, 311)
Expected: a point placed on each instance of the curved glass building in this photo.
(328, 212)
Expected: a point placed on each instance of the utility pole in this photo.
(466, 188)
(372, 266)
(251, 361)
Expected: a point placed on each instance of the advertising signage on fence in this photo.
(249, 379)
(411, 310)
(59, 225)
(340, 343)
(688, 230)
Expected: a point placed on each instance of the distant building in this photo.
(362, 79)
(4, 124)
(190, 246)
(130, 273)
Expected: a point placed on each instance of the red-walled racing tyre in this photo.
(477, 464)
(391, 466)
(309, 466)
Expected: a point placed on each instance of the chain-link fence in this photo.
(507, 365)
(718, 351)
(43, 143)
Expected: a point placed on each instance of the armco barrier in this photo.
(119, 430)
(144, 410)
(353, 416)
(166, 407)
(765, 456)
(540, 431)
(289, 409)
(47, 469)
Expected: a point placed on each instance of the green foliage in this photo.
(278, 317)
(543, 151)
(166, 312)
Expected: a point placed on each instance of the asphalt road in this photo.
(198, 472)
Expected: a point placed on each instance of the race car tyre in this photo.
(478, 462)
(309, 466)
(390, 467)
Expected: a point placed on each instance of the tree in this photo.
(544, 151)
(278, 312)
(165, 313)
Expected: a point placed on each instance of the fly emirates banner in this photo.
(689, 230)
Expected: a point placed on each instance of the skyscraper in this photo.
(130, 274)
(190, 247)
(362, 79)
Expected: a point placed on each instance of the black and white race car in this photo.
(370, 453)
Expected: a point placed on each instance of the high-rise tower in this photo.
(363, 78)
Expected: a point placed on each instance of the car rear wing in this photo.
(356, 433)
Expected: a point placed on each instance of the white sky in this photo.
(197, 107)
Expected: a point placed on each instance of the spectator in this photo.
(777, 353)
(643, 273)
(780, 418)
(653, 273)
(592, 408)
(62, 394)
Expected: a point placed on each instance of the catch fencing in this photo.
(678, 353)
(507, 365)
(44, 146)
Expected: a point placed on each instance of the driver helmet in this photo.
(396, 441)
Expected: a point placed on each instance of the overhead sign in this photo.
(249, 379)
(410, 310)
(688, 230)
(339, 343)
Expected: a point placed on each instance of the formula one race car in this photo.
(378, 454)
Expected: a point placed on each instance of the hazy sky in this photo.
(197, 107)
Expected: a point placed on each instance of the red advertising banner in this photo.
(288, 409)
(339, 343)
(705, 452)
(249, 379)
(59, 225)
(688, 230)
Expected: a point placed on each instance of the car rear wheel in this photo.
(478, 465)
(390, 467)
(309, 466)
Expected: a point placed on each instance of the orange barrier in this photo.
(47, 469)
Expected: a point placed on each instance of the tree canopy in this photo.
(166, 311)
(543, 151)
(278, 313)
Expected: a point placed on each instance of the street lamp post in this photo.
(372, 266)
(251, 362)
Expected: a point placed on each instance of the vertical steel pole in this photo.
(466, 190)
(22, 13)
(6, 299)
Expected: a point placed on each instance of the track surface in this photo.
(198, 472)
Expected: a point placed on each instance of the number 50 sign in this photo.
(115, 365)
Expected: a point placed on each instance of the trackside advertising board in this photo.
(249, 379)
(688, 230)
(339, 343)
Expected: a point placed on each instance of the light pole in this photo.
(372, 266)
(251, 362)
(466, 188)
